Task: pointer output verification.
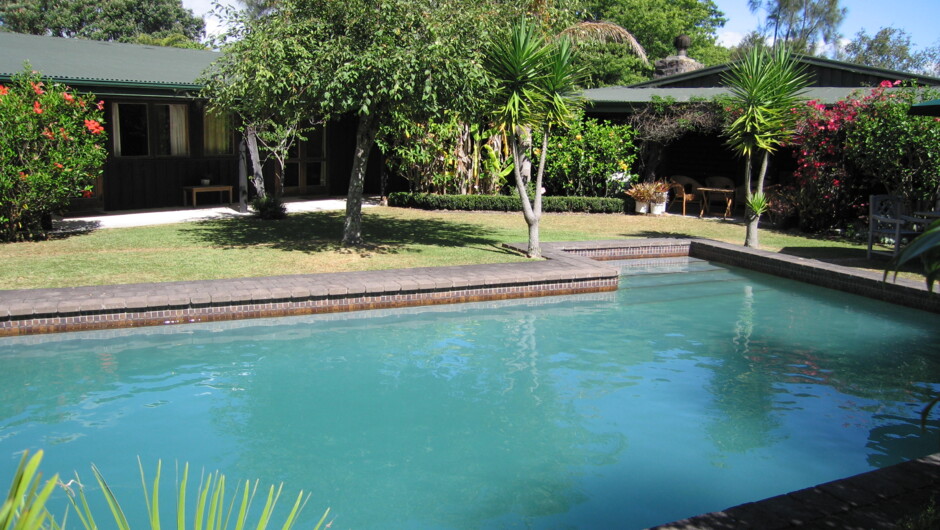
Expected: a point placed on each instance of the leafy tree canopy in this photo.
(891, 48)
(108, 20)
(655, 24)
(171, 40)
(385, 62)
(802, 25)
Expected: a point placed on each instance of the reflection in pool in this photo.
(677, 395)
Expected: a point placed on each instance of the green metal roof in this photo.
(108, 67)
(623, 99)
(821, 62)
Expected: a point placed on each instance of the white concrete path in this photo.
(161, 216)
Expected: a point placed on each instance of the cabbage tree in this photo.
(765, 86)
(534, 82)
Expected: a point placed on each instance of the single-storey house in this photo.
(704, 155)
(160, 137)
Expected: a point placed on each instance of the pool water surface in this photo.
(692, 388)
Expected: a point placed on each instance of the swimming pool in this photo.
(676, 395)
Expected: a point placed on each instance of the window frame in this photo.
(153, 129)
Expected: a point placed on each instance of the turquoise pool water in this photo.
(676, 395)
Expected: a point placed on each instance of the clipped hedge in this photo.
(504, 203)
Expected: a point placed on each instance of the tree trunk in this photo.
(242, 178)
(257, 177)
(530, 212)
(751, 238)
(750, 235)
(652, 156)
(365, 138)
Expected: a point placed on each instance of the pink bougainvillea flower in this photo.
(48, 134)
(4, 90)
(37, 108)
(94, 127)
(101, 105)
(37, 88)
(69, 98)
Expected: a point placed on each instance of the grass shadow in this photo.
(657, 234)
(312, 232)
(66, 228)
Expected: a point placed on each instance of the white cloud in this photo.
(729, 38)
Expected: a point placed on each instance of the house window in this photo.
(305, 168)
(135, 125)
(217, 134)
(171, 130)
(131, 137)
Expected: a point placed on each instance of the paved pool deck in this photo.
(872, 500)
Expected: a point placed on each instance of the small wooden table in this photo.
(193, 190)
(726, 194)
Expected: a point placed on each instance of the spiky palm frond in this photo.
(603, 32)
(560, 84)
(765, 85)
(516, 66)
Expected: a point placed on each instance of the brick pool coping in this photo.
(874, 499)
(569, 268)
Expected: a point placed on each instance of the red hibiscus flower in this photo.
(37, 108)
(94, 127)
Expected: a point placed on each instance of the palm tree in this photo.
(534, 80)
(765, 86)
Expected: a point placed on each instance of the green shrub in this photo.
(504, 203)
(591, 158)
(269, 208)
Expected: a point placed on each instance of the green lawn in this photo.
(309, 243)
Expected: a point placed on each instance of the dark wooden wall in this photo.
(132, 183)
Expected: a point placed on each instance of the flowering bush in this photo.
(862, 145)
(51, 150)
(826, 197)
(591, 158)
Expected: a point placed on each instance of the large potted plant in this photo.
(650, 196)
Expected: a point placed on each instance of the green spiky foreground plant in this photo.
(25, 505)
(926, 246)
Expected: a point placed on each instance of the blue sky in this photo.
(919, 18)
